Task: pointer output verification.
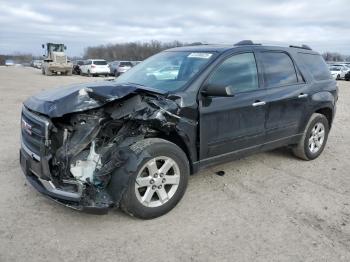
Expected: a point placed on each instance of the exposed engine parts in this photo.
(95, 147)
(82, 169)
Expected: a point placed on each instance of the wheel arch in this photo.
(175, 138)
(327, 112)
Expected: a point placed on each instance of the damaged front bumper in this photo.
(85, 159)
(34, 171)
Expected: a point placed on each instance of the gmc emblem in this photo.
(26, 127)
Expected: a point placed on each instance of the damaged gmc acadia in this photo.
(132, 142)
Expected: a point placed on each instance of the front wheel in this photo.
(314, 138)
(159, 182)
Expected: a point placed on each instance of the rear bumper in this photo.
(100, 71)
(36, 174)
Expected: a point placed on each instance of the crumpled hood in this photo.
(75, 98)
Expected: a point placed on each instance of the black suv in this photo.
(133, 142)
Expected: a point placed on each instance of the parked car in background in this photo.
(338, 72)
(37, 63)
(120, 67)
(76, 67)
(9, 62)
(347, 76)
(95, 67)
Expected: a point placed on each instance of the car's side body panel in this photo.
(209, 129)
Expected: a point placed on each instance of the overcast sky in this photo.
(25, 25)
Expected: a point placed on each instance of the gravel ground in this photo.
(268, 207)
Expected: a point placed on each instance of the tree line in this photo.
(134, 51)
(335, 57)
(137, 51)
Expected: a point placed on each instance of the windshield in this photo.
(335, 68)
(56, 47)
(167, 71)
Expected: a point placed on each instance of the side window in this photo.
(278, 68)
(238, 71)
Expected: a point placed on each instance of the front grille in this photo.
(34, 131)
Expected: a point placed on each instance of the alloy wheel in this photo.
(157, 181)
(316, 138)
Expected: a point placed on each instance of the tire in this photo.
(69, 73)
(338, 77)
(162, 151)
(304, 149)
(116, 74)
(88, 73)
(48, 72)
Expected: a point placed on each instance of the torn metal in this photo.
(75, 98)
(95, 150)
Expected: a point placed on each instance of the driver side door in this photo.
(233, 124)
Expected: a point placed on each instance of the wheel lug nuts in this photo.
(152, 181)
(154, 187)
(163, 180)
(155, 175)
(160, 187)
(161, 175)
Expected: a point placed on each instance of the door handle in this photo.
(259, 103)
(302, 95)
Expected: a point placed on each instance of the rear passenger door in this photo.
(286, 98)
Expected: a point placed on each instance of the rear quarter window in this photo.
(316, 65)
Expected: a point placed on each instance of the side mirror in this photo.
(217, 90)
(43, 46)
(65, 47)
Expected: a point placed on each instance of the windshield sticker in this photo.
(200, 55)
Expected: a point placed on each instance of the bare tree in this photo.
(130, 51)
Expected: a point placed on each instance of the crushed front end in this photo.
(84, 159)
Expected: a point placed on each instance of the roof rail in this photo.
(245, 42)
(301, 47)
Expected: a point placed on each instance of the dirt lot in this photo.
(268, 207)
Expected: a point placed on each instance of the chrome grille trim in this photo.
(40, 119)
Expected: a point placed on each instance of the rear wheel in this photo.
(159, 182)
(338, 77)
(314, 138)
(88, 73)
